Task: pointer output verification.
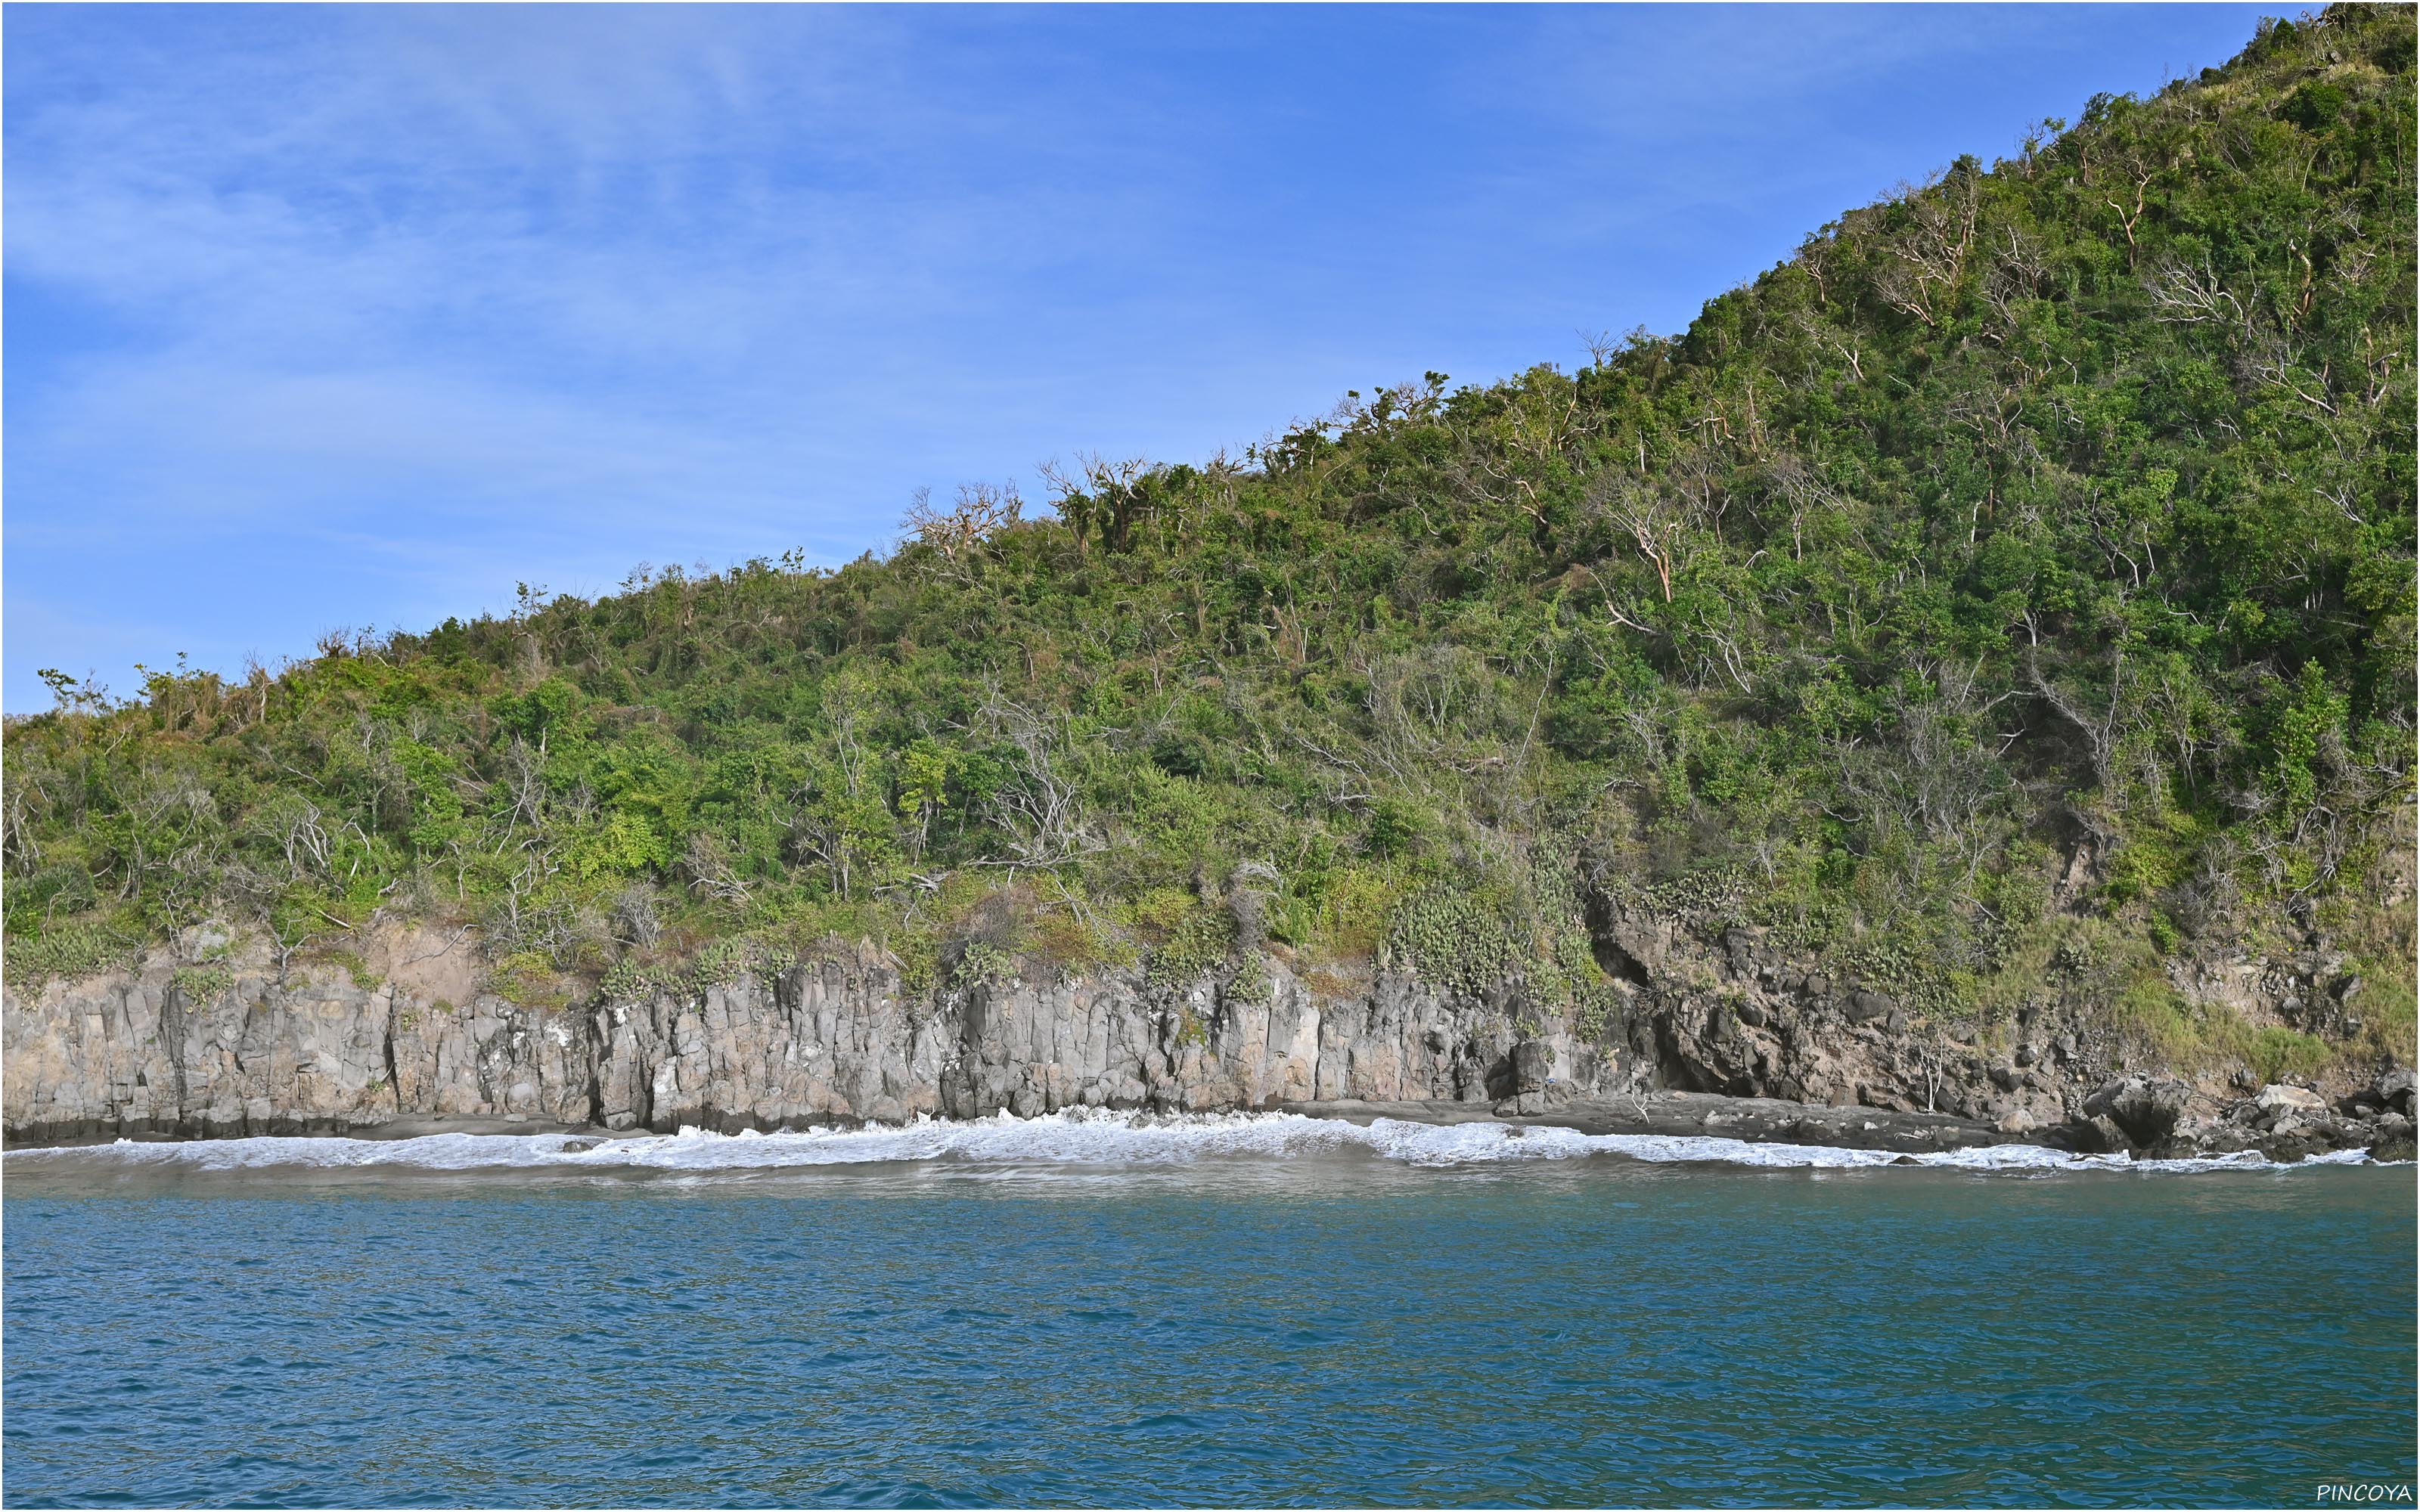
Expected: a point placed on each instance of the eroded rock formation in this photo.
(326, 1048)
(409, 1027)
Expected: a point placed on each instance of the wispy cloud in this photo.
(326, 316)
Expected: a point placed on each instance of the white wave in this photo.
(1094, 1138)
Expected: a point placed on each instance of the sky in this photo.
(359, 316)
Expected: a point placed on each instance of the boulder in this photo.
(2288, 1146)
(2097, 1135)
(2277, 1098)
(1532, 1062)
(1866, 1007)
(2395, 1090)
(2150, 1111)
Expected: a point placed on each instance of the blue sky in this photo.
(349, 317)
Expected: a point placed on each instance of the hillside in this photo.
(2009, 598)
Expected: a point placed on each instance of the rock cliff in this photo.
(408, 1030)
(410, 1027)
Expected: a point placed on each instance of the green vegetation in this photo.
(2016, 583)
(204, 985)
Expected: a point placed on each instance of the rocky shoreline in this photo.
(410, 1035)
(1750, 1120)
(2140, 1117)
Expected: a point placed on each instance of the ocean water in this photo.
(1262, 1310)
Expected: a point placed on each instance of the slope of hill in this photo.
(2001, 611)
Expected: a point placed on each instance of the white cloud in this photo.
(324, 314)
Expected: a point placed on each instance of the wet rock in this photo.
(2291, 1145)
(2097, 1135)
(2391, 1139)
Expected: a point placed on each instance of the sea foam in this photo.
(1097, 1139)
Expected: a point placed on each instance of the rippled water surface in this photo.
(1251, 1311)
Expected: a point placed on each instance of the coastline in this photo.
(1758, 1120)
(1754, 1120)
(1663, 1114)
(843, 1043)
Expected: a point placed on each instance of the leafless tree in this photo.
(1039, 806)
(2182, 294)
(981, 512)
(1930, 255)
(635, 921)
(1109, 495)
(1661, 514)
(708, 867)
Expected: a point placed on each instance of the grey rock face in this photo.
(1532, 1064)
(314, 1051)
(2148, 1110)
(2100, 1136)
(409, 1030)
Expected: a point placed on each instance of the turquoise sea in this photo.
(1230, 1311)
